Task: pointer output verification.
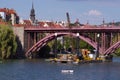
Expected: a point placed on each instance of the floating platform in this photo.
(74, 62)
(70, 58)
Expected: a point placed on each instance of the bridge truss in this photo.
(37, 36)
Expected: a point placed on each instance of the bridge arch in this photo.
(111, 49)
(45, 40)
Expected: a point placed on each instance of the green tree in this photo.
(8, 44)
(117, 52)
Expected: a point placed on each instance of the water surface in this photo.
(42, 70)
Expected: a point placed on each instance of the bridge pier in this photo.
(30, 39)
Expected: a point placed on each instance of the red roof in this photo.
(50, 24)
(27, 22)
(8, 11)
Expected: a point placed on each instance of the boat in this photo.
(67, 71)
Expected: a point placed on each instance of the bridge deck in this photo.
(73, 29)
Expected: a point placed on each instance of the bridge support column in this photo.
(55, 45)
(26, 41)
(77, 45)
(117, 37)
(35, 37)
(98, 44)
(111, 36)
(103, 42)
(28, 34)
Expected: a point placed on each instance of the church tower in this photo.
(32, 14)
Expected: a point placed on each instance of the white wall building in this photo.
(3, 15)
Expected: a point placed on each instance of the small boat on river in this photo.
(67, 71)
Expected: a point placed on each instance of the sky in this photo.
(92, 11)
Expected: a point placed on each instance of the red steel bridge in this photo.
(109, 39)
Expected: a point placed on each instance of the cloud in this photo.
(93, 13)
(93, 16)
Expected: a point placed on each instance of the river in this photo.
(37, 69)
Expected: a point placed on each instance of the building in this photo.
(32, 14)
(9, 15)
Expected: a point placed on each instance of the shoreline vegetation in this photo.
(8, 44)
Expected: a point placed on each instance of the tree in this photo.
(117, 52)
(8, 44)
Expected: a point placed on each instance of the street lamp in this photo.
(77, 44)
(55, 44)
(97, 54)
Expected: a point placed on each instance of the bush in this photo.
(8, 42)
